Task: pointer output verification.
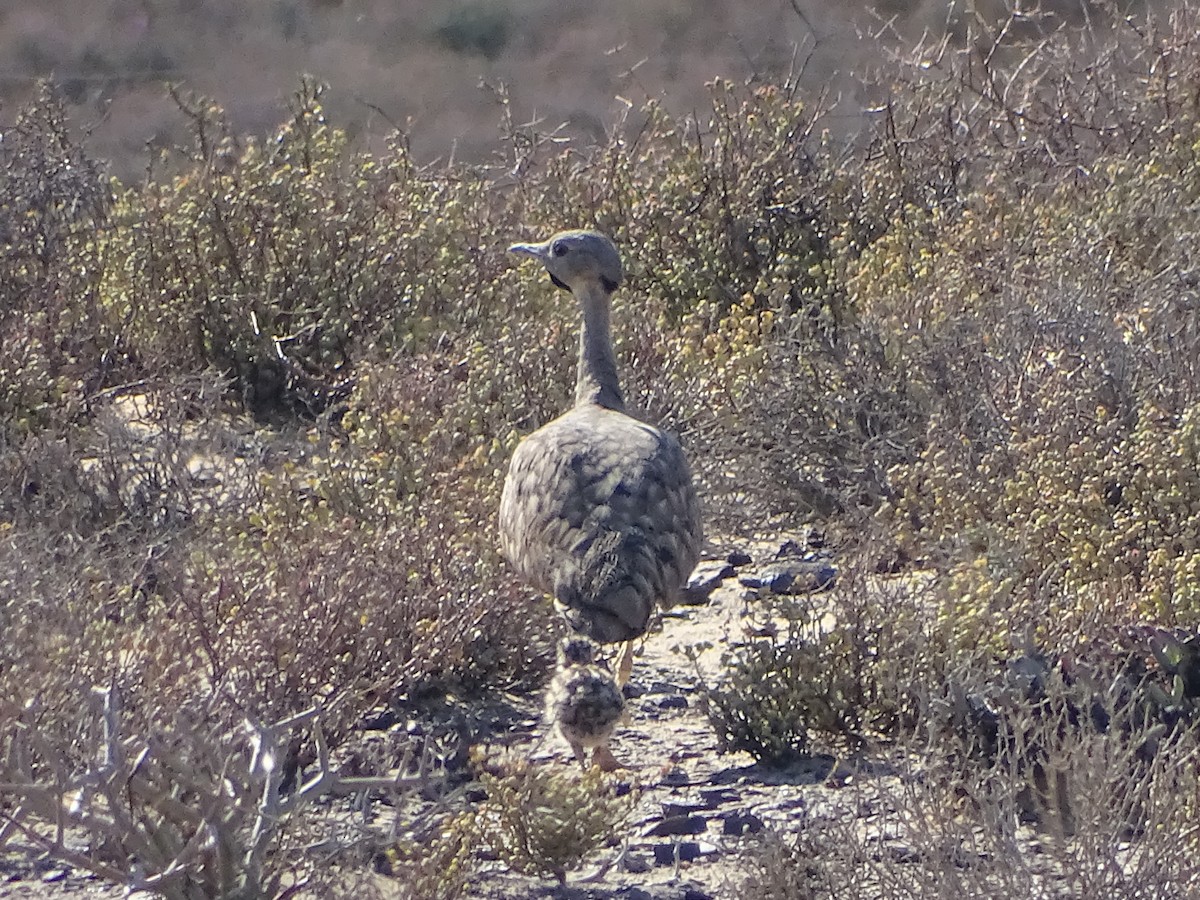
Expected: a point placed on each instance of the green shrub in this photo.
(546, 820)
(830, 670)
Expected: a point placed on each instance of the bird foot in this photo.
(603, 758)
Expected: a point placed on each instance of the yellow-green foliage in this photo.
(966, 339)
(438, 867)
(547, 820)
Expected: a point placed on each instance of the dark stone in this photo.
(634, 863)
(795, 576)
(676, 778)
(689, 851)
(705, 578)
(739, 823)
(678, 825)
(664, 854)
(739, 558)
(670, 810)
(789, 548)
(714, 797)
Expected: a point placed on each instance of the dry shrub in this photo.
(832, 670)
(547, 820)
(1060, 792)
(192, 810)
(54, 338)
(966, 340)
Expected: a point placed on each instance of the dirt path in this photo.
(697, 807)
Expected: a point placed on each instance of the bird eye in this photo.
(559, 248)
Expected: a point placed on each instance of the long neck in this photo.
(596, 381)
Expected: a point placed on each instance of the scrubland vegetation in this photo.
(255, 410)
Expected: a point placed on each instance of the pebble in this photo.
(678, 825)
(636, 863)
(795, 576)
(737, 824)
(687, 851)
(676, 778)
(706, 577)
(633, 893)
(714, 797)
(739, 558)
(670, 810)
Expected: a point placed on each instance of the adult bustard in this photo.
(598, 508)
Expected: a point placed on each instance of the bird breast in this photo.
(599, 510)
(585, 704)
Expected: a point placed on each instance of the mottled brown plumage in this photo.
(584, 703)
(598, 508)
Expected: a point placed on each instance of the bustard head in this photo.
(577, 259)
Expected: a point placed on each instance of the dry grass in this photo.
(256, 411)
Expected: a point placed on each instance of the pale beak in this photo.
(537, 251)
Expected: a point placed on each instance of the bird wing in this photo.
(599, 510)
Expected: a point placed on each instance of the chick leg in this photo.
(580, 753)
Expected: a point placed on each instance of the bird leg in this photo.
(625, 664)
(580, 753)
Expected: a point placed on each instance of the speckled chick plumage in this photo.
(598, 508)
(583, 701)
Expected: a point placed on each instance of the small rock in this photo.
(696, 894)
(687, 851)
(670, 810)
(629, 892)
(791, 576)
(789, 548)
(738, 558)
(676, 778)
(739, 823)
(635, 863)
(384, 721)
(705, 579)
(662, 687)
(673, 702)
(621, 788)
(54, 875)
(714, 797)
(678, 825)
(664, 854)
